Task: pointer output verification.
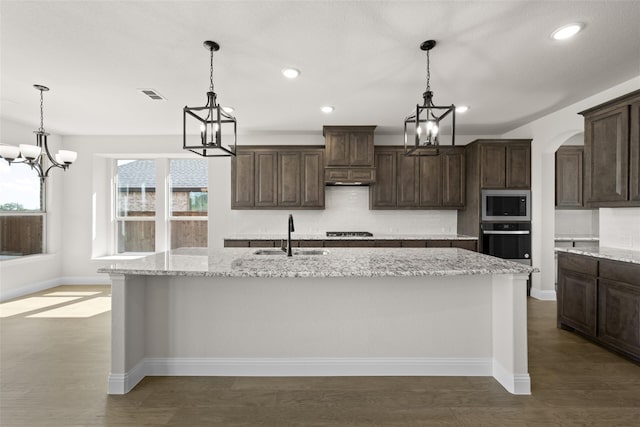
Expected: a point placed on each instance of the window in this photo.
(136, 206)
(21, 211)
(188, 185)
(144, 221)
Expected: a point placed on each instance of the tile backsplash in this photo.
(346, 209)
(620, 228)
(577, 222)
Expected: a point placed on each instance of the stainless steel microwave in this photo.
(506, 205)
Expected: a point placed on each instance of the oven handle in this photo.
(506, 232)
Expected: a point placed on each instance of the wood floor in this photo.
(54, 371)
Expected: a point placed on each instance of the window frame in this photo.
(42, 212)
(163, 209)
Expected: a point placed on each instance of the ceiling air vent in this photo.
(151, 93)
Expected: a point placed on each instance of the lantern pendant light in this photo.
(423, 128)
(204, 128)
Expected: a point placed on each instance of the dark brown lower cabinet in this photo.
(601, 300)
(577, 293)
(619, 306)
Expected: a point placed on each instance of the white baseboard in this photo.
(52, 283)
(543, 295)
(102, 279)
(296, 367)
(514, 383)
(28, 289)
(124, 383)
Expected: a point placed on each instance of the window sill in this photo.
(23, 259)
(121, 257)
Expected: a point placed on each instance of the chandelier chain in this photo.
(211, 73)
(428, 74)
(41, 112)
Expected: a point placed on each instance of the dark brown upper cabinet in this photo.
(569, 160)
(349, 154)
(505, 164)
(277, 177)
(612, 153)
(427, 182)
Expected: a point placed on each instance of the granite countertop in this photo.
(323, 236)
(575, 238)
(614, 254)
(338, 262)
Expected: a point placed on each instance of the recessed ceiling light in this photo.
(228, 109)
(462, 108)
(327, 109)
(290, 73)
(567, 31)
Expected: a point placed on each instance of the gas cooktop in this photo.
(349, 234)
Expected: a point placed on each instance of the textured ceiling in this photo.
(362, 57)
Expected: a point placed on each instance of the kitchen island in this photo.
(338, 311)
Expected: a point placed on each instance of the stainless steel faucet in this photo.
(290, 228)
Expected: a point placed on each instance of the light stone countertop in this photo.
(323, 236)
(614, 254)
(575, 238)
(338, 262)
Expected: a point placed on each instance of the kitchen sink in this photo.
(294, 251)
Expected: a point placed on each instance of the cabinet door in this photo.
(289, 176)
(619, 315)
(337, 148)
(577, 300)
(242, 180)
(569, 177)
(361, 149)
(382, 194)
(634, 152)
(492, 166)
(407, 180)
(312, 180)
(470, 245)
(266, 179)
(518, 172)
(606, 156)
(453, 178)
(430, 181)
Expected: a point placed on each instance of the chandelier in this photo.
(205, 127)
(423, 128)
(32, 154)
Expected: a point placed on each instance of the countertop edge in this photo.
(612, 254)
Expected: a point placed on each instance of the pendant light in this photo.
(423, 128)
(212, 123)
(32, 154)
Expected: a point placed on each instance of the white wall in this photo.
(548, 133)
(35, 272)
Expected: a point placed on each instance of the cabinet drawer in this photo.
(620, 272)
(470, 245)
(414, 243)
(236, 243)
(581, 264)
(438, 243)
(388, 243)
